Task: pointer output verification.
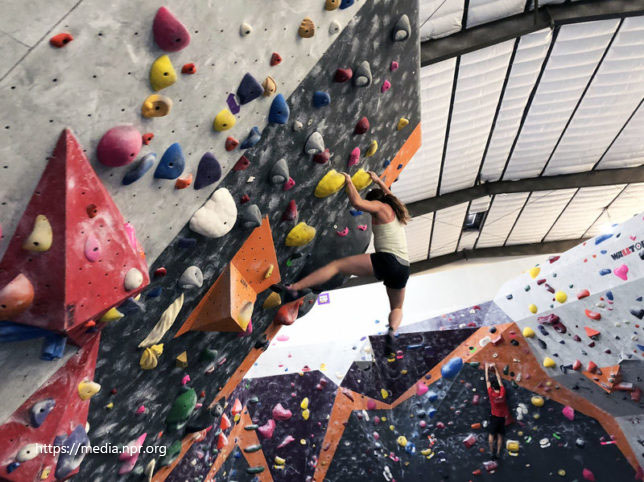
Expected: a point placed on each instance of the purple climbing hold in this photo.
(171, 164)
(249, 89)
(208, 172)
(253, 138)
(39, 411)
(233, 106)
(72, 452)
(321, 99)
(169, 33)
(119, 146)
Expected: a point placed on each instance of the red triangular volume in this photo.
(82, 274)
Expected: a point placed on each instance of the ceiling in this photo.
(540, 106)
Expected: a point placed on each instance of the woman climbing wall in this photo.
(390, 262)
(498, 408)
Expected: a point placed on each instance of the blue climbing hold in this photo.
(187, 243)
(452, 367)
(131, 306)
(208, 171)
(172, 163)
(320, 99)
(279, 111)
(508, 297)
(39, 411)
(601, 238)
(72, 451)
(355, 212)
(609, 295)
(138, 170)
(346, 4)
(431, 412)
(154, 292)
(233, 106)
(249, 89)
(432, 396)
(604, 272)
(253, 138)
(386, 163)
(603, 251)
(12, 466)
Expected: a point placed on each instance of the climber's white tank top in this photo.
(391, 238)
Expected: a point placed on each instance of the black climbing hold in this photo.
(249, 89)
(279, 172)
(187, 243)
(250, 216)
(514, 342)
(638, 313)
(262, 344)
(542, 344)
(492, 329)
(208, 171)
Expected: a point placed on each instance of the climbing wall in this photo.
(226, 169)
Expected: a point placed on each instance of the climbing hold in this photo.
(276, 59)
(334, 27)
(139, 169)
(217, 216)
(342, 75)
(322, 157)
(549, 362)
(39, 411)
(621, 272)
(361, 179)
(165, 322)
(587, 474)
(534, 272)
(231, 143)
(250, 216)
(307, 28)
(591, 332)
(192, 277)
(208, 171)
(72, 452)
(130, 454)
(272, 301)
(331, 183)
(362, 126)
(583, 294)
(297, 126)
(253, 138)
(394, 65)
(528, 332)
(181, 409)
(147, 138)
(421, 389)
(111, 315)
(290, 182)
(41, 236)
(354, 157)
(281, 413)
(92, 248)
(362, 77)
(402, 29)
(244, 199)
(162, 73)
(266, 430)
(87, 389)
(450, 369)
(346, 4)
(269, 85)
(402, 123)
(279, 111)
(189, 68)
(169, 33)
(331, 4)
(156, 105)
(150, 357)
(533, 308)
(386, 85)
(241, 164)
(593, 315)
(249, 89)
(300, 235)
(591, 367)
(537, 401)
(133, 279)
(373, 148)
(171, 164)
(576, 365)
(279, 173)
(561, 297)
(223, 121)
(568, 412)
(183, 182)
(321, 99)
(314, 143)
(119, 146)
(343, 233)
(245, 30)
(384, 393)
(60, 40)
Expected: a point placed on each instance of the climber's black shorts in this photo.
(497, 425)
(387, 268)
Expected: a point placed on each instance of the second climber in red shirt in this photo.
(499, 409)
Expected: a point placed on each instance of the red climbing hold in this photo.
(147, 138)
(60, 40)
(591, 332)
(577, 365)
(242, 164)
(583, 294)
(322, 157)
(593, 315)
(287, 314)
(591, 367)
(160, 272)
(362, 126)
(288, 184)
(189, 69)
(237, 407)
(244, 199)
(587, 474)
(224, 424)
(342, 75)
(222, 441)
(290, 214)
(169, 33)
(275, 59)
(231, 143)
(552, 259)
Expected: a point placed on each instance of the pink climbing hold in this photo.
(131, 235)
(587, 474)
(92, 248)
(386, 85)
(354, 158)
(568, 412)
(343, 233)
(362, 227)
(621, 272)
(131, 455)
(185, 379)
(282, 338)
(583, 294)
(267, 429)
(119, 146)
(287, 440)
(288, 184)
(141, 409)
(371, 404)
(281, 413)
(169, 33)
(394, 66)
(421, 389)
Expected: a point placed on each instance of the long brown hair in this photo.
(396, 204)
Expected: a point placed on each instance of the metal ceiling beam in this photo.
(494, 252)
(432, 51)
(605, 177)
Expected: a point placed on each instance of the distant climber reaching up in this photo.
(498, 407)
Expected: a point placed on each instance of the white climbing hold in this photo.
(133, 279)
(164, 323)
(28, 452)
(245, 30)
(192, 277)
(334, 27)
(362, 76)
(217, 217)
(297, 126)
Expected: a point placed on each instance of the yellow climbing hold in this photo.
(41, 236)
(361, 179)
(384, 394)
(513, 447)
(111, 315)
(224, 120)
(182, 360)
(537, 401)
(302, 441)
(245, 314)
(279, 460)
(402, 123)
(44, 475)
(534, 272)
(426, 452)
(272, 301)
(306, 414)
(561, 297)
(305, 403)
(156, 105)
(549, 362)
(110, 406)
(561, 472)
(331, 183)
(236, 417)
(392, 428)
(528, 332)
(300, 235)
(87, 389)
(162, 73)
(269, 272)
(402, 441)
(532, 308)
(373, 148)
(150, 357)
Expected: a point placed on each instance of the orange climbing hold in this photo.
(183, 182)
(60, 40)
(287, 314)
(147, 138)
(593, 315)
(16, 297)
(189, 69)
(591, 332)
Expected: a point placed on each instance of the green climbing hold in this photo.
(251, 427)
(252, 448)
(255, 470)
(474, 364)
(208, 354)
(181, 410)
(171, 454)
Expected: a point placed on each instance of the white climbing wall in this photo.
(100, 80)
